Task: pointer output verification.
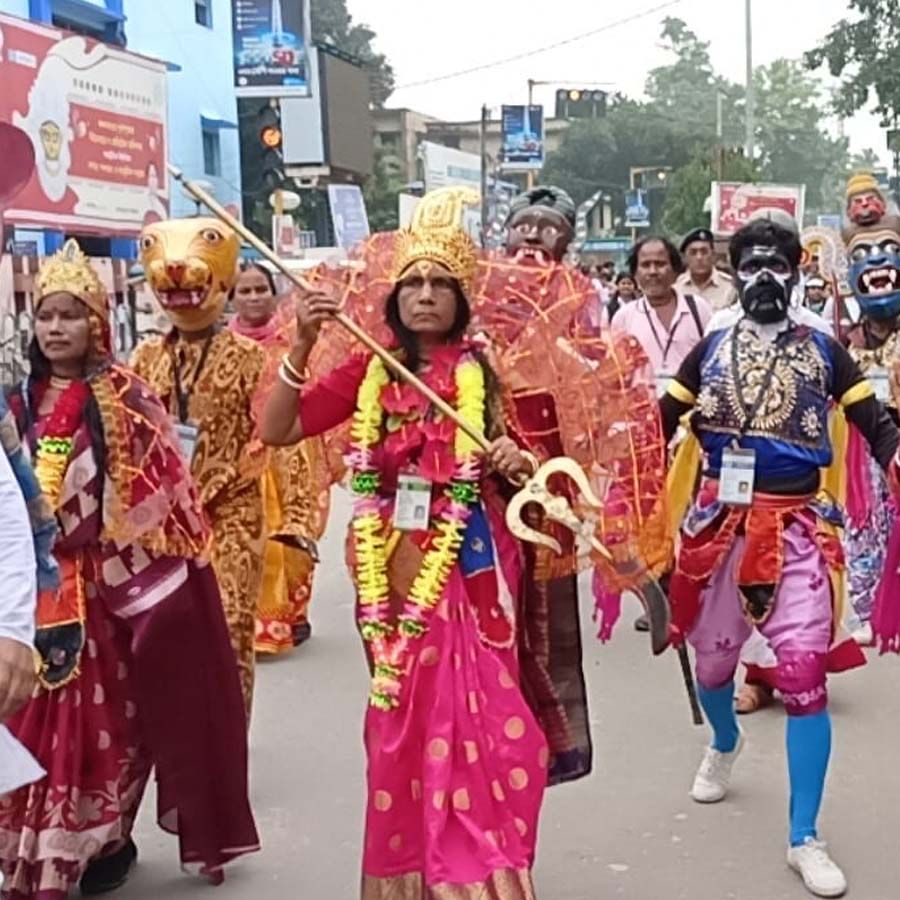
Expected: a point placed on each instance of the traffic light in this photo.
(575, 103)
(262, 154)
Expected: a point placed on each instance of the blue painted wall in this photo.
(203, 86)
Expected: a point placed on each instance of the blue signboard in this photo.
(637, 213)
(270, 46)
(523, 138)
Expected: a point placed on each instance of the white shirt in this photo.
(18, 569)
(799, 315)
(851, 308)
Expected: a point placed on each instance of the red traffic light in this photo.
(270, 136)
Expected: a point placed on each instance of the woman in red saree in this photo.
(136, 669)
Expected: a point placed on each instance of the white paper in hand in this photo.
(17, 766)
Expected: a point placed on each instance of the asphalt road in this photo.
(630, 830)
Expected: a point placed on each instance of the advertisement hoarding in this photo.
(523, 138)
(447, 167)
(733, 204)
(637, 212)
(271, 41)
(348, 214)
(97, 118)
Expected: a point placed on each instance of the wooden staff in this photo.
(198, 193)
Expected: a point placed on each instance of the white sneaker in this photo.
(714, 774)
(818, 870)
(864, 635)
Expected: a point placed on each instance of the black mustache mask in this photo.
(766, 297)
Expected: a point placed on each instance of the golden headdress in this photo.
(436, 235)
(69, 271)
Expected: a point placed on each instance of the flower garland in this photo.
(390, 643)
(55, 446)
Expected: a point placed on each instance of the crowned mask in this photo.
(874, 254)
(190, 265)
(436, 235)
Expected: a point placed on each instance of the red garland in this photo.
(67, 412)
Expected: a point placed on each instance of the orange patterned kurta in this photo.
(296, 497)
(227, 474)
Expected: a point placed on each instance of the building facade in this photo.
(194, 39)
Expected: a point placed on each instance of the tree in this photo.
(381, 192)
(864, 51)
(690, 186)
(793, 147)
(676, 128)
(333, 24)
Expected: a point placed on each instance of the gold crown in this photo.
(436, 234)
(862, 183)
(68, 271)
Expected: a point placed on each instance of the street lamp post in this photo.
(751, 90)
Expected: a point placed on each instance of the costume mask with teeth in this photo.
(190, 265)
(874, 254)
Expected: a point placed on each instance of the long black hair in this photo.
(409, 346)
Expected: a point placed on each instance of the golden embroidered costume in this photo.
(207, 378)
(295, 490)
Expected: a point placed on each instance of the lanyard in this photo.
(671, 333)
(753, 412)
(183, 394)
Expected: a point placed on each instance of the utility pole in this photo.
(531, 84)
(485, 116)
(720, 138)
(751, 93)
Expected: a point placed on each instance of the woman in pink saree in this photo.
(457, 763)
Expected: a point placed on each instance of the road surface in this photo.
(630, 830)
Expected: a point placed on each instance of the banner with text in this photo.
(271, 41)
(348, 214)
(97, 118)
(734, 205)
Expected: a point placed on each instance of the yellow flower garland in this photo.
(389, 643)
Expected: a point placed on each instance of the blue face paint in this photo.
(875, 272)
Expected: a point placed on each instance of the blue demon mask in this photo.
(875, 271)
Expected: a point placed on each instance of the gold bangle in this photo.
(287, 379)
(286, 362)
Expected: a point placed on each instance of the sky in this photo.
(428, 38)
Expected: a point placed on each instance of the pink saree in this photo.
(456, 774)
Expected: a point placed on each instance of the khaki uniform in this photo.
(719, 291)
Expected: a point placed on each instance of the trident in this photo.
(534, 489)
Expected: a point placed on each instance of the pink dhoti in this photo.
(799, 629)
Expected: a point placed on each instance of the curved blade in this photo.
(656, 604)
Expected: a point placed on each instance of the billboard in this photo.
(271, 42)
(448, 167)
(523, 138)
(637, 212)
(96, 116)
(733, 204)
(348, 214)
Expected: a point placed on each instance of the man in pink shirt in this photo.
(666, 322)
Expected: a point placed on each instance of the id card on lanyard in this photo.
(737, 474)
(187, 430)
(670, 334)
(412, 506)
